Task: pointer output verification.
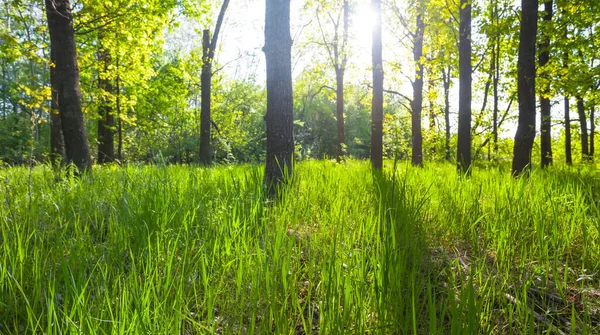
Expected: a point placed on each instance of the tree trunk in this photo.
(526, 81)
(106, 121)
(592, 132)
(463, 159)
(280, 112)
(208, 54)
(62, 43)
(377, 102)
(205, 82)
(447, 79)
(5, 90)
(546, 121)
(57, 141)
(339, 78)
(585, 154)
(496, 60)
(119, 122)
(568, 155)
(417, 101)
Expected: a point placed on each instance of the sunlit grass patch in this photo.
(345, 250)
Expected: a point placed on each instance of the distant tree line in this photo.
(93, 74)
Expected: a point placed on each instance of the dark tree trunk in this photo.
(431, 89)
(496, 98)
(568, 155)
(119, 123)
(463, 159)
(62, 43)
(585, 153)
(280, 112)
(377, 102)
(447, 80)
(417, 101)
(339, 78)
(5, 90)
(496, 60)
(106, 120)
(546, 121)
(208, 54)
(526, 72)
(206, 83)
(592, 132)
(57, 141)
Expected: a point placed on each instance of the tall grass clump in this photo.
(344, 249)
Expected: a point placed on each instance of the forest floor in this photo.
(185, 250)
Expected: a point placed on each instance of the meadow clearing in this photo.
(188, 250)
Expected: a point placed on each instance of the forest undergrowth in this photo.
(344, 250)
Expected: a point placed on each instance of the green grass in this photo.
(183, 250)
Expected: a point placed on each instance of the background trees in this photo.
(141, 81)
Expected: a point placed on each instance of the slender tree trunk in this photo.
(526, 72)
(119, 122)
(585, 153)
(340, 69)
(447, 79)
(463, 159)
(106, 120)
(496, 99)
(592, 132)
(496, 60)
(206, 83)
(280, 112)
(208, 54)
(417, 101)
(568, 155)
(339, 76)
(62, 43)
(57, 141)
(5, 90)
(377, 102)
(432, 115)
(546, 121)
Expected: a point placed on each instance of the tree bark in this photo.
(106, 121)
(447, 79)
(205, 88)
(463, 159)
(568, 155)
(592, 132)
(526, 81)
(585, 153)
(119, 122)
(280, 113)
(496, 60)
(377, 102)
(339, 78)
(340, 69)
(417, 101)
(57, 141)
(208, 54)
(546, 121)
(62, 43)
